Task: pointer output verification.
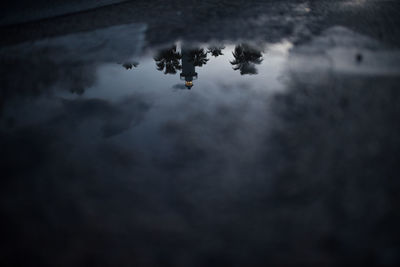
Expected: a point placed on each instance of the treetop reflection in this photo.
(168, 60)
(246, 58)
(187, 58)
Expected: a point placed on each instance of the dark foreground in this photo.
(284, 151)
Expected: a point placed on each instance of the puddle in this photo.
(107, 88)
(143, 145)
(170, 70)
(136, 102)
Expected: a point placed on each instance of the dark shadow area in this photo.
(320, 178)
(338, 182)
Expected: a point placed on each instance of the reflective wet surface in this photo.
(225, 153)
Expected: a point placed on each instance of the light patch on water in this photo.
(341, 50)
(218, 88)
(355, 3)
(212, 78)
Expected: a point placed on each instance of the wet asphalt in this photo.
(307, 175)
(224, 19)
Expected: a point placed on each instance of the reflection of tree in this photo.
(246, 58)
(168, 60)
(198, 56)
(130, 65)
(215, 51)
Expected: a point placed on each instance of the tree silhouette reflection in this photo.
(215, 51)
(198, 56)
(246, 59)
(191, 58)
(130, 65)
(168, 60)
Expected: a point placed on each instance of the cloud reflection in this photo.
(219, 176)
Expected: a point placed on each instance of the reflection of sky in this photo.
(143, 110)
(217, 72)
(217, 85)
(247, 167)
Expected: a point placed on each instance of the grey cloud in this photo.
(115, 117)
(70, 125)
(65, 63)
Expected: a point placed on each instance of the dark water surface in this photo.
(278, 154)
